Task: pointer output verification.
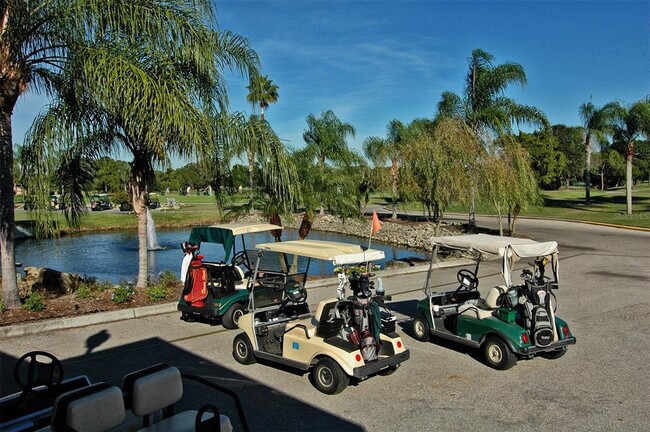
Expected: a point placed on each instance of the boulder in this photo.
(50, 280)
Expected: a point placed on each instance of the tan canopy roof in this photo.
(246, 228)
(339, 253)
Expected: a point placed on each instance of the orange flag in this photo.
(376, 225)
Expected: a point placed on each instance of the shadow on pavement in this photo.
(266, 408)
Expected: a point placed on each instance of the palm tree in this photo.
(483, 105)
(379, 149)
(123, 81)
(628, 124)
(595, 123)
(262, 92)
(322, 183)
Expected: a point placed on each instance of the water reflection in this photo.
(114, 256)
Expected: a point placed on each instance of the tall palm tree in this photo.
(628, 124)
(262, 92)
(484, 107)
(122, 79)
(595, 124)
(378, 150)
(322, 163)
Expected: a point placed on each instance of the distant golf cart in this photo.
(99, 202)
(219, 291)
(513, 320)
(153, 202)
(348, 337)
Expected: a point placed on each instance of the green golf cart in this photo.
(515, 320)
(219, 291)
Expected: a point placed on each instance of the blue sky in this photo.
(373, 61)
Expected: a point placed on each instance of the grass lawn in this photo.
(606, 206)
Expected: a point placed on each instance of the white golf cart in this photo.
(348, 337)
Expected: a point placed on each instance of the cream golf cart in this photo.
(348, 336)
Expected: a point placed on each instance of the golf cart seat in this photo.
(484, 308)
(154, 390)
(98, 406)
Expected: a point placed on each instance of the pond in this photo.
(114, 256)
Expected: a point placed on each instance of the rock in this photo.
(50, 280)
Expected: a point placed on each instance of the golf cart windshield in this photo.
(508, 249)
(225, 234)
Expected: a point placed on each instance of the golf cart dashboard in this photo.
(289, 313)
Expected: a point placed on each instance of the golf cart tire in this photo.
(242, 350)
(421, 330)
(497, 355)
(553, 355)
(328, 377)
(232, 315)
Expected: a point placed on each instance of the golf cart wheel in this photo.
(242, 350)
(389, 370)
(232, 315)
(328, 377)
(421, 329)
(497, 355)
(553, 355)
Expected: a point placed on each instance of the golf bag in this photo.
(537, 319)
(196, 283)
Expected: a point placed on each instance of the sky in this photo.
(374, 61)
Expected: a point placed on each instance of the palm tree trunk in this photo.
(628, 176)
(251, 175)
(139, 195)
(587, 170)
(10, 297)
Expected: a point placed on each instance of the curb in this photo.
(124, 314)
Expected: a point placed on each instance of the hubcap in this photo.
(419, 328)
(495, 354)
(235, 317)
(241, 349)
(325, 377)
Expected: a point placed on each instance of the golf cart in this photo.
(219, 290)
(99, 202)
(48, 401)
(515, 320)
(348, 336)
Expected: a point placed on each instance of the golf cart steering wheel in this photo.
(295, 291)
(241, 259)
(467, 279)
(38, 373)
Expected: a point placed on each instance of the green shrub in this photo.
(83, 291)
(122, 293)
(35, 302)
(157, 292)
(167, 278)
(103, 286)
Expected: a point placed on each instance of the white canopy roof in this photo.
(509, 248)
(246, 228)
(338, 253)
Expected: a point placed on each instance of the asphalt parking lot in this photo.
(601, 384)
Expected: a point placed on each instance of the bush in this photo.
(35, 302)
(83, 291)
(167, 278)
(122, 293)
(157, 292)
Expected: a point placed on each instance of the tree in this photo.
(322, 166)
(121, 79)
(262, 92)
(546, 160)
(628, 124)
(378, 150)
(110, 175)
(570, 144)
(483, 106)
(594, 123)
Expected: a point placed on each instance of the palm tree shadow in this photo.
(97, 340)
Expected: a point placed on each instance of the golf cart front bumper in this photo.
(552, 347)
(376, 366)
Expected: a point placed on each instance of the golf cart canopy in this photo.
(338, 253)
(224, 234)
(508, 249)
